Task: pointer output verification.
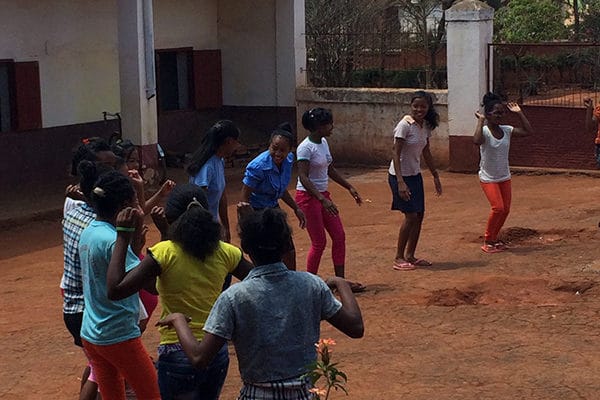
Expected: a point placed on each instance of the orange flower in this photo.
(318, 391)
(324, 344)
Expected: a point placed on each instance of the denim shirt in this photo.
(212, 177)
(268, 181)
(273, 318)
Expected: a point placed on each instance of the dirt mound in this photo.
(517, 234)
(507, 290)
(452, 297)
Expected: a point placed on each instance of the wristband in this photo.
(125, 229)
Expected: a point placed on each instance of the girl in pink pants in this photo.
(314, 170)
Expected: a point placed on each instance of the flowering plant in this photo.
(323, 367)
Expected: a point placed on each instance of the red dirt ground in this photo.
(519, 324)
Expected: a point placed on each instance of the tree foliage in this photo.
(590, 24)
(531, 21)
(333, 37)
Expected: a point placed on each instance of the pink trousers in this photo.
(318, 220)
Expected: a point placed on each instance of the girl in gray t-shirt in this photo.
(494, 173)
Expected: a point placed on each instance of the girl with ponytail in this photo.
(207, 168)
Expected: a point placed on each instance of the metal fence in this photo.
(546, 74)
(373, 59)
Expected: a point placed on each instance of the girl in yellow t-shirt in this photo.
(189, 270)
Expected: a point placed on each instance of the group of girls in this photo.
(188, 269)
(93, 158)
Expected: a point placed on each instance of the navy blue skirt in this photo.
(416, 203)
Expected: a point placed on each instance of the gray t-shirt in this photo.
(493, 165)
(273, 318)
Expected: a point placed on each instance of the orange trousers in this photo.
(115, 363)
(499, 195)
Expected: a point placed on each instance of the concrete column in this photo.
(285, 84)
(469, 31)
(138, 103)
(300, 42)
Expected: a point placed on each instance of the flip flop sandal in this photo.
(490, 248)
(403, 266)
(421, 262)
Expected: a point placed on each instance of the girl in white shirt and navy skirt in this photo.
(411, 139)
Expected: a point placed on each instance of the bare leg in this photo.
(89, 389)
(411, 220)
(413, 237)
(339, 270)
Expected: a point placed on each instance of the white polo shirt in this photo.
(415, 140)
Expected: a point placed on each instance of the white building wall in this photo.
(185, 23)
(75, 43)
(248, 47)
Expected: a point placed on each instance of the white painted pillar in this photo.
(285, 84)
(469, 31)
(300, 42)
(136, 55)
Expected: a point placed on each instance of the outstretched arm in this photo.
(340, 180)
(527, 129)
(155, 200)
(349, 318)
(201, 353)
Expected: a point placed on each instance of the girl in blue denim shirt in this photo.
(267, 177)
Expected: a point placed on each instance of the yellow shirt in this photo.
(190, 286)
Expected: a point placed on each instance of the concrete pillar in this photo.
(136, 77)
(469, 31)
(285, 85)
(300, 42)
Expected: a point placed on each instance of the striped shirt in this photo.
(74, 222)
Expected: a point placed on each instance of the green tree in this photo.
(590, 24)
(531, 21)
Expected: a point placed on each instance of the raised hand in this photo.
(479, 115)
(167, 187)
(513, 107)
(74, 192)
(588, 102)
(160, 219)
